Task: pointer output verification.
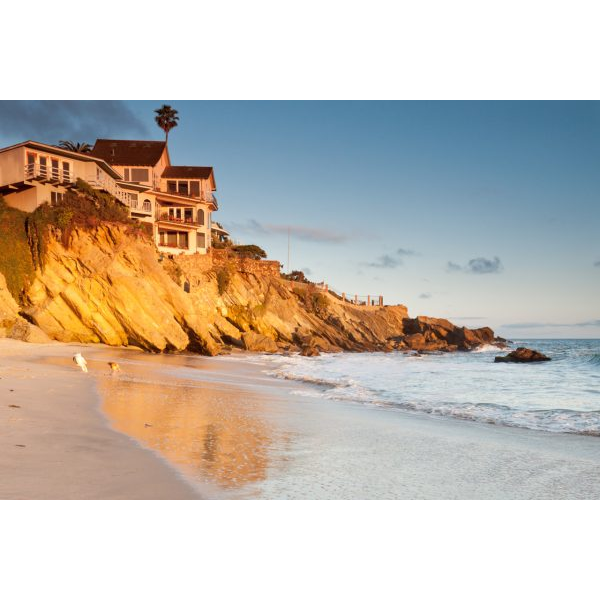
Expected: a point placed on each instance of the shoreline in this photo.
(186, 426)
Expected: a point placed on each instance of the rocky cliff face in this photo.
(109, 286)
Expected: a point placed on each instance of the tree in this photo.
(81, 147)
(166, 118)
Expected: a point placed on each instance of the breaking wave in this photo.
(562, 397)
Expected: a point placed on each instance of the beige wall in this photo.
(12, 166)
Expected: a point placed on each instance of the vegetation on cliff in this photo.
(16, 262)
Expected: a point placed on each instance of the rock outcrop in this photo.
(110, 285)
(12, 325)
(522, 355)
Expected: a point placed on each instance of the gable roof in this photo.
(142, 153)
(187, 172)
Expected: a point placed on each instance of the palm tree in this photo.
(81, 147)
(166, 118)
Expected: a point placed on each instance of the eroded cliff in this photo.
(107, 285)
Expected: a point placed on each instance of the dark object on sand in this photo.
(13, 406)
(522, 355)
(147, 425)
(20, 445)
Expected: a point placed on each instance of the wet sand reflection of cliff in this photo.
(217, 435)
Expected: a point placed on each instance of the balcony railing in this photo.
(165, 216)
(49, 173)
(202, 197)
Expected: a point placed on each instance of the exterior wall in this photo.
(27, 200)
(200, 263)
(12, 166)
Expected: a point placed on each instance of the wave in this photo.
(594, 359)
(557, 420)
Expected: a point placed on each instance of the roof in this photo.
(68, 153)
(142, 153)
(187, 172)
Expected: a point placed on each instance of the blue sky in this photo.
(487, 213)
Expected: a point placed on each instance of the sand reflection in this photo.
(214, 433)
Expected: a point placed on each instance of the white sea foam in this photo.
(560, 396)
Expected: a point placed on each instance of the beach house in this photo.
(177, 200)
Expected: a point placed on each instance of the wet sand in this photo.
(189, 426)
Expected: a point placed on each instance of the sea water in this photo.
(561, 395)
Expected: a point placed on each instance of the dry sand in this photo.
(57, 444)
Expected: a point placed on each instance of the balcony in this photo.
(207, 197)
(49, 173)
(139, 207)
(168, 218)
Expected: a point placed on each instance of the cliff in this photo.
(103, 284)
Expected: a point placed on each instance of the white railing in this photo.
(49, 173)
(201, 197)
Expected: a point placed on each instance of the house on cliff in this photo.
(177, 200)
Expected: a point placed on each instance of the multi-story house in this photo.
(183, 196)
(177, 200)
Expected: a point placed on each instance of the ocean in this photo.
(561, 396)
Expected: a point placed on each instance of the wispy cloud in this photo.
(538, 325)
(425, 295)
(385, 261)
(406, 252)
(310, 234)
(477, 266)
(79, 120)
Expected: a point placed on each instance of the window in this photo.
(182, 187)
(171, 187)
(132, 200)
(54, 164)
(195, 189)
(183, 240)
(126, 175)
(56, 198)
(30, 170)
(147, 206)
(200, 240)
(200, 217)
(43, 166)
(139, 175)
(66, 171)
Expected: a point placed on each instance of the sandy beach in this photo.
(193, 427)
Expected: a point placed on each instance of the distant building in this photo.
(177, 200)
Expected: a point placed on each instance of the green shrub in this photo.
(16, 263)
(250, 251)
(224, 276)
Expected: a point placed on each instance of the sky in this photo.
(485, 213)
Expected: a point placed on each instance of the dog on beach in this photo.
(80, 362)
(114, 367)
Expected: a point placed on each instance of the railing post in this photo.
(380, 300)
(355, 298)
(343, 296)
(368, 300)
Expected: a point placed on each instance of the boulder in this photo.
(522, 355)
(257, 342)
(309, 351)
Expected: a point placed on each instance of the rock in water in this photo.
(522, 355)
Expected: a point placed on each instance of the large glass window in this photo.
(182, 187)
(200, 240)
(195, 189)
(200, 217)
(139, 175)
(171, 187)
